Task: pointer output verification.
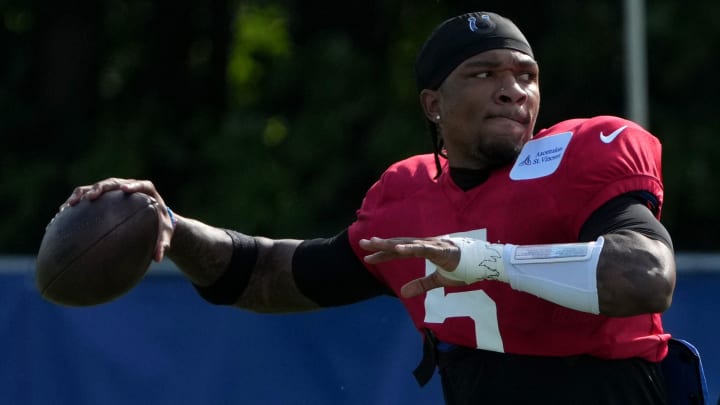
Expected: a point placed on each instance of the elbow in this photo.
(657, 294)
(660, 299)
(662, 278)
(640, 283)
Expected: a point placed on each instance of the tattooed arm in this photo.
(204, 252)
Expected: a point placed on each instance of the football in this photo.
(98, 250)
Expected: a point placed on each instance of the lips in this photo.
(518, 117)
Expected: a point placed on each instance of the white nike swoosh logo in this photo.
(612, 136)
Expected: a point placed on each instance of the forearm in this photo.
(201, 251)
(624, 273)
(204, 253)
(272, 287)
(636, 275)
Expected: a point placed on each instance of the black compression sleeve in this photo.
(328, 272)
(629, 211)
(227, 289)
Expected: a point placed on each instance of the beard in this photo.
(499, 154)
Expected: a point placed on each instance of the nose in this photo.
(510, 93)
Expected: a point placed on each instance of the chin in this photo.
(502, 155)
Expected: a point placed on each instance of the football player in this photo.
(537, 268)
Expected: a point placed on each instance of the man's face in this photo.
(488, 107)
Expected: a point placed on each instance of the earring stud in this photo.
(437, 117)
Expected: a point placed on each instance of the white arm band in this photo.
(565, 273)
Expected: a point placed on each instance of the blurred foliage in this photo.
(274, 117)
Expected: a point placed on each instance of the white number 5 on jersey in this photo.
(476, 305)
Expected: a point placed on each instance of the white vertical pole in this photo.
(636, 93)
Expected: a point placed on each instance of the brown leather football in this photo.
(97, 250)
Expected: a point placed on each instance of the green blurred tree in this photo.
(274, 117)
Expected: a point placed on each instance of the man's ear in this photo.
(430, 102)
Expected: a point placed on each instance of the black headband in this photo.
(461, 37)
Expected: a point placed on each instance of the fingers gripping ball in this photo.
(97, 250)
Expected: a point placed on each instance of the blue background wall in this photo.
(161, 344)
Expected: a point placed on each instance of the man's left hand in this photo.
(441, 252)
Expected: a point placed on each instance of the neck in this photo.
(467, 179)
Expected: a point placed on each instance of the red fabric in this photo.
(408, 201)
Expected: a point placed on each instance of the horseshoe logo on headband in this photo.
(484, 25)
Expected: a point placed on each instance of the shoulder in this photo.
(413, 166)
(401, 180)
(603, 140)
(599, 158)
(411, 172)
(607, 143)
(602, 129)
(386, 202)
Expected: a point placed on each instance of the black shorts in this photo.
(483, 377)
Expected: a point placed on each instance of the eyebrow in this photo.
(527, 63)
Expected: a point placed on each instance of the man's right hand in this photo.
(165, 223)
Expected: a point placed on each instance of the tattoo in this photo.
(200, 251)
(272, 287)
(636, 275)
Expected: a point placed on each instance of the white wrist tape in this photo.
(479, 260)
(565, 274)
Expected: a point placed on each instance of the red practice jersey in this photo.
(561, 176)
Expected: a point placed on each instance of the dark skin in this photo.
(486, 108)
(485, 111)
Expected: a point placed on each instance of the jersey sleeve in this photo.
(628, 211)
(366, 216)
(608, 157)
(379, 213)
(329, 273)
